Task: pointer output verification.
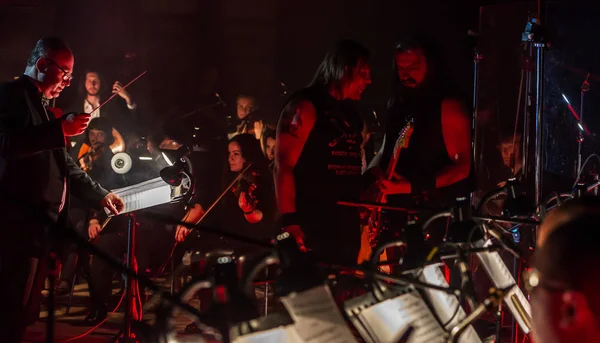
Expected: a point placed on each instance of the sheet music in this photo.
(444, 304)
(502, 277)
(389, 320)
(144, 194)
(316, 316)
(284, 334)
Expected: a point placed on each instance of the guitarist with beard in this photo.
(433, 166)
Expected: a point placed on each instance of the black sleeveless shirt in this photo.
(426, 154)
(329, 170)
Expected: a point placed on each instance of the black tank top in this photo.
(426, 154)
(329, 170)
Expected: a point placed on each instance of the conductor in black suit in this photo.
(36, 177)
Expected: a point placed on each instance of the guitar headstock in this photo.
(406, 132)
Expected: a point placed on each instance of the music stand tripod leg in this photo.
(127, 335)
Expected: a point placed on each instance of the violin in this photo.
(89, 158)
(248, 186)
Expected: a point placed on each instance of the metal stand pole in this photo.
(131, 286)
(266, 291)
(539, 109)
(527, 115)
(585, 86)
(477, 57)
(475, 143)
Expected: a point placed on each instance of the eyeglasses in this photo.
(67, 76)
(533, 280)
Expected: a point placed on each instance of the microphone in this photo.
(220, 100)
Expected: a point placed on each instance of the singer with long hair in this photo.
(318, 158)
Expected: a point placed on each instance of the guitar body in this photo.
(364, 254)
(371, 232)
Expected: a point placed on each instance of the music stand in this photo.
(137, 197)
(387, 319)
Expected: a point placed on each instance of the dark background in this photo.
(195, 47)
(251, 45)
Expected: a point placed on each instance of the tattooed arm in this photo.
(295, 124)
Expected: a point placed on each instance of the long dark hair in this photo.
(437, 80)
(342, 57)
(252, 153)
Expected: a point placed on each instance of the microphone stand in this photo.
(585, 86)
(539, 45)
(477, 57)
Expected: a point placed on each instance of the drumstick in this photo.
(115, 94)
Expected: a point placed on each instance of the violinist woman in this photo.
(250, 210)
(267, 143)
(247, 209)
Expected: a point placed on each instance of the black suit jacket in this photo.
(34, 167)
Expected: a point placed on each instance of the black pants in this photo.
(75, 256)
(23, 269)
(113, 240)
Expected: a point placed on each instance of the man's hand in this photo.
(73, 125)
(113, 203)
(298, 235)
(94, 228)
(118, 88)
(181, 233)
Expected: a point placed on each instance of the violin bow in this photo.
(240, 175)
(115, 94)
